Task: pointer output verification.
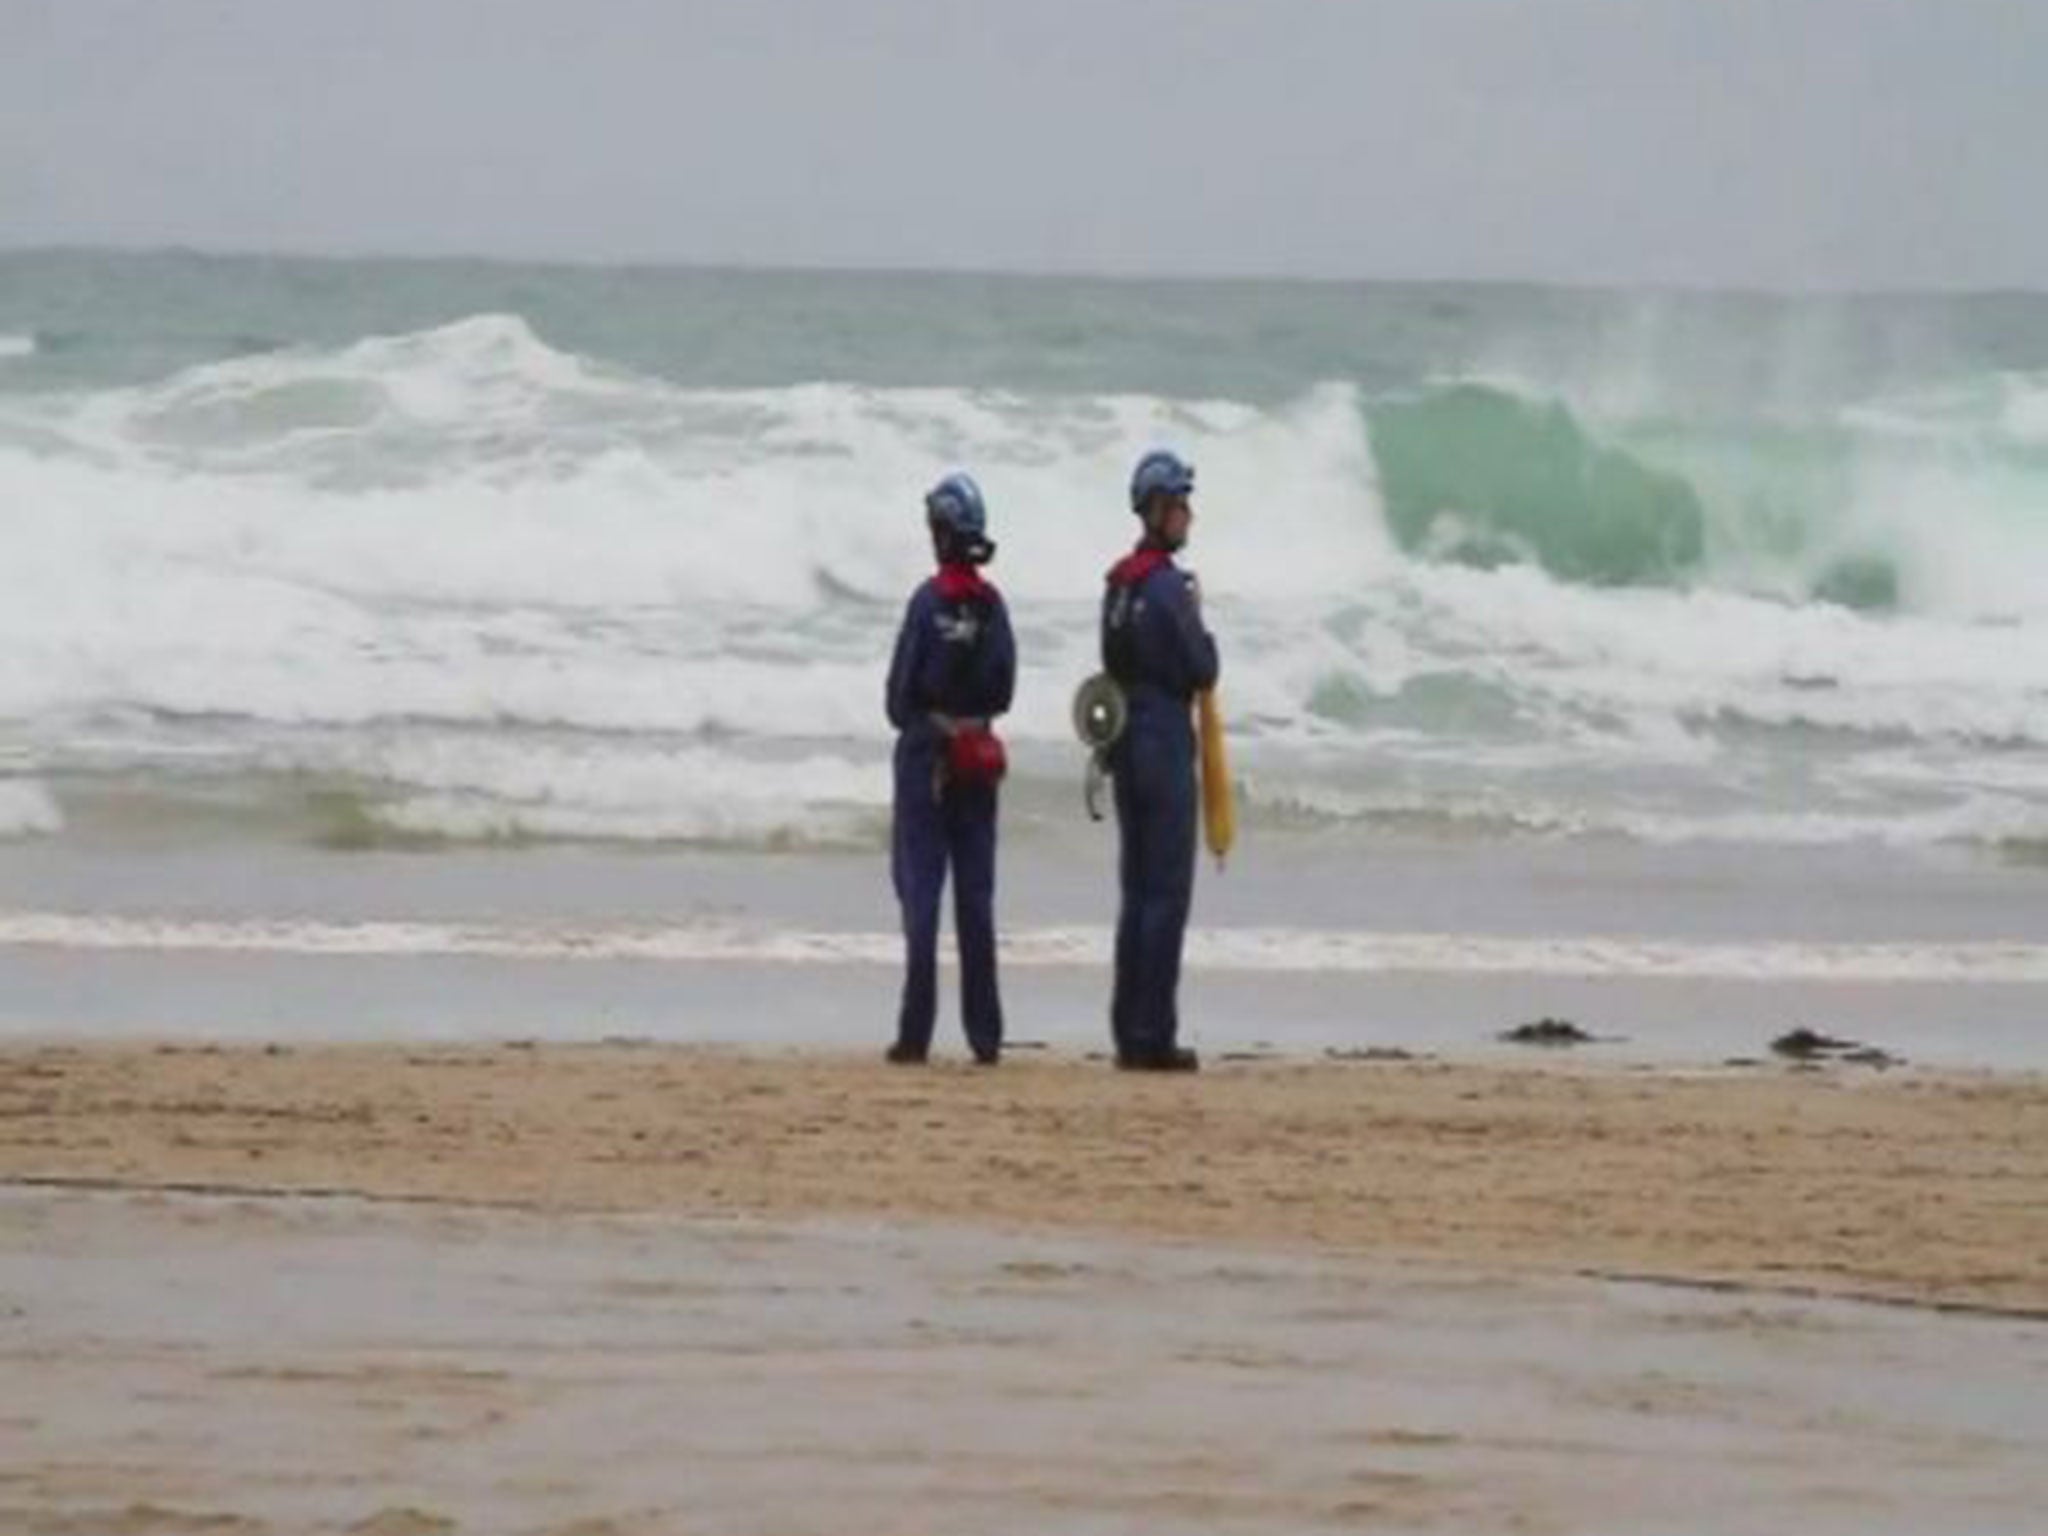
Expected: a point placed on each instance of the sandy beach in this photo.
(631, 1290)
(1900, 1186)
(237, 1366)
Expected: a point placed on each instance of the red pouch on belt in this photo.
(975, 755)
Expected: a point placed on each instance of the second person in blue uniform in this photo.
(1156, 647)
(954, 672)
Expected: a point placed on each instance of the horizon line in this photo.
(1051, 274)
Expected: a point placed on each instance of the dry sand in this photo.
(1900, 1186)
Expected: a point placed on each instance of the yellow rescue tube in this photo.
(1219, 815)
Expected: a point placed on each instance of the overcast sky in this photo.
(1777, 143)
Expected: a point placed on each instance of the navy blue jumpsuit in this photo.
(1155, 646)
(954, 656)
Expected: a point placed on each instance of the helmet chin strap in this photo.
(952, 548)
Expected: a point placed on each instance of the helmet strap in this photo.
(956, 548)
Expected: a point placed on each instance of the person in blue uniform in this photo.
(954, 671)
(1156, 647)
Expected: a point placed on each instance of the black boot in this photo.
(901, 1055)
(1169, 1058)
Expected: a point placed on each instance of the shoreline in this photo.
(1908, 1186)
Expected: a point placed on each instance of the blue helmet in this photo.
(1162, 472)
(955, 502)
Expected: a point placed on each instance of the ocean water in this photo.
(428, 559)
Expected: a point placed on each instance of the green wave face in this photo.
(1475, 475)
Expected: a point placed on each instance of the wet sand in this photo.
(626, 1290)
(1903, 1186)
(241, 1366)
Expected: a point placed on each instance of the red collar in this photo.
(1137, 565)
(961, 583)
